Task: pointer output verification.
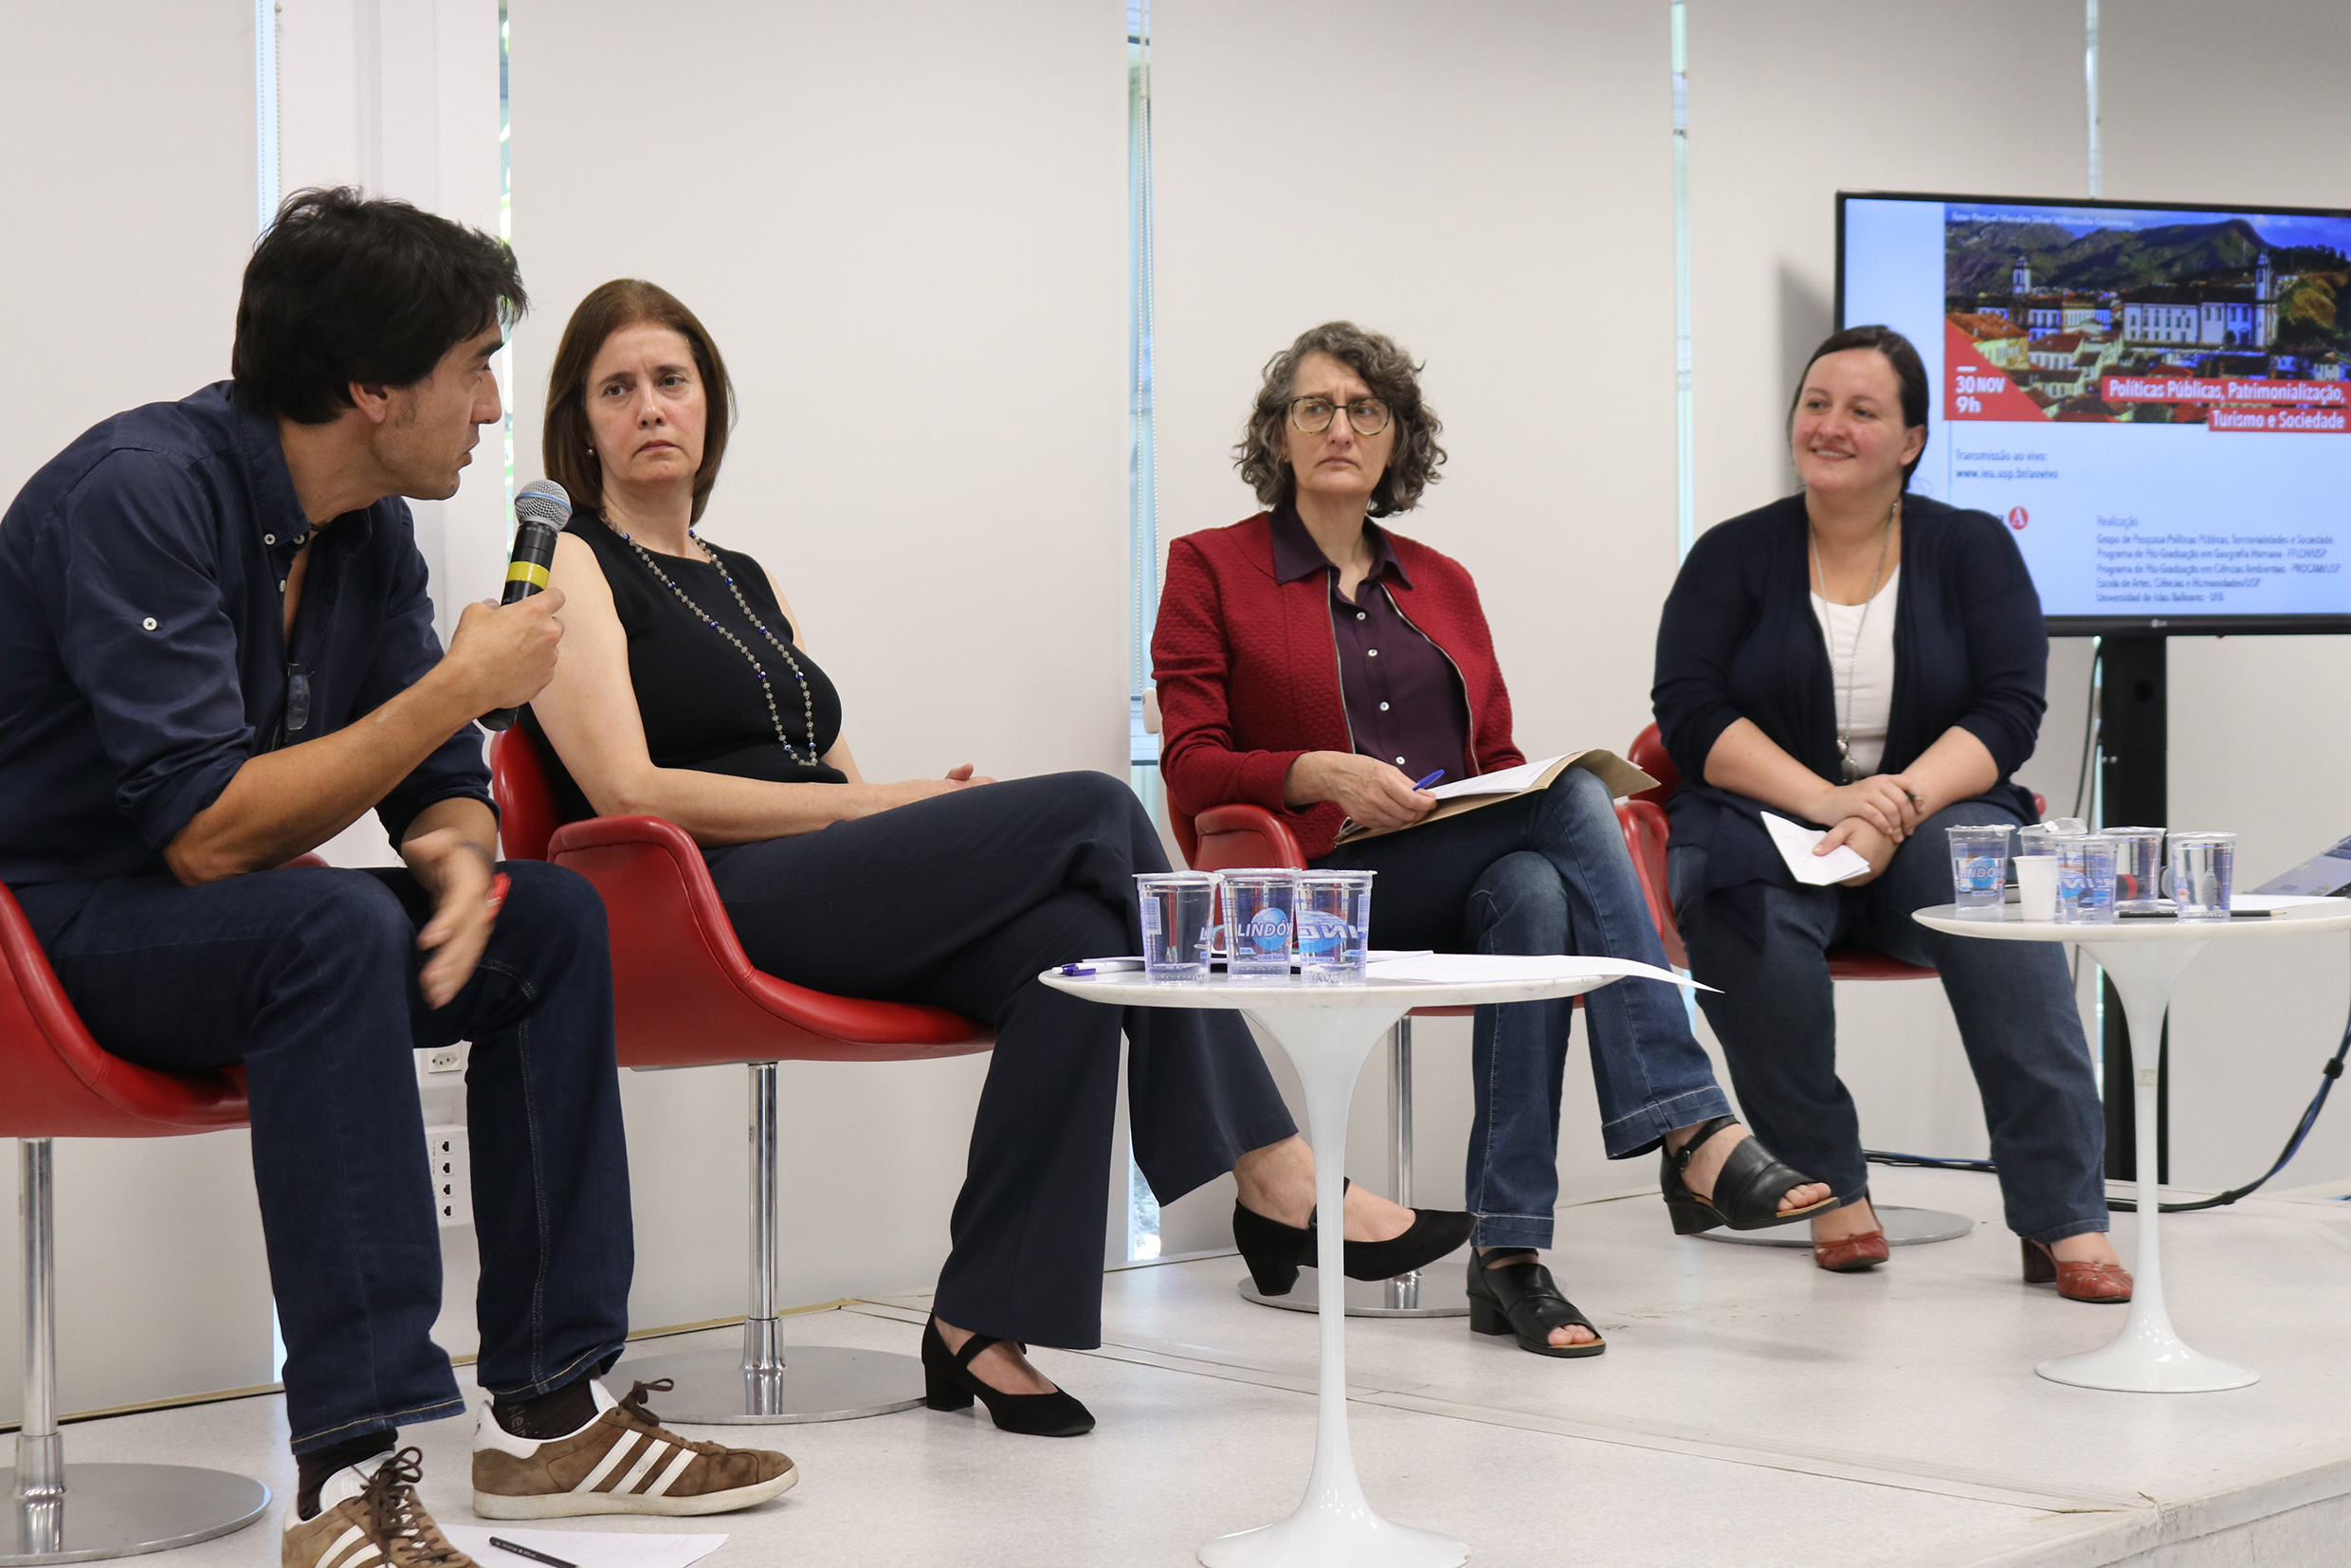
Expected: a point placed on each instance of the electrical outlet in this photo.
(453, 1174)
(447, 1059)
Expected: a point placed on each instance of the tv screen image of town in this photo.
(2152, 398)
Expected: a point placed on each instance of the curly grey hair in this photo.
(1394, 379)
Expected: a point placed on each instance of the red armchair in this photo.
(62, 1084)
(684, 995)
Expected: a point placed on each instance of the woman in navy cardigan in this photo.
(1871, 663)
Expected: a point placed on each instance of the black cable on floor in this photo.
(1931, 1163)
(2329, 1071)
(2332, 1069)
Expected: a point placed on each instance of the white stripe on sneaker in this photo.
(627, 1442)
(669, 1477)
(654, 1449)
(341, 1552)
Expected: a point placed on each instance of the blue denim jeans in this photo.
(1775, 1016)
(1546, 872)
(307, 976)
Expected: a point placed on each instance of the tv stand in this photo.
(2134, 763)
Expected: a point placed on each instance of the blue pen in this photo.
(1075, 971)
(1431, 779)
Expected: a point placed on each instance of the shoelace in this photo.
(402, 1527)
(635, 1408)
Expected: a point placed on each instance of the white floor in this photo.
(1750, 1411)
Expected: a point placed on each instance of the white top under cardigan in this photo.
(1873, 665)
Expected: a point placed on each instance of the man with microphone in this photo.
(216, 652)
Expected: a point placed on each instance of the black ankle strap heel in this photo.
(948, 1383)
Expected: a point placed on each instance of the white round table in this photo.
(2143, 957)
(1327, 1031)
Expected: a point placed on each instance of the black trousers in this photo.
(960, 902)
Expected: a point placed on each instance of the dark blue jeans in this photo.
(1546, 872)
(307, 976)
(1775, 1016)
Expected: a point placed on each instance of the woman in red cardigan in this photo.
(1312, 662)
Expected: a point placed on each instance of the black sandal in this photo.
(1520, 1299)
(1746, 1194)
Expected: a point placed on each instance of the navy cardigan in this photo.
(1739, 640)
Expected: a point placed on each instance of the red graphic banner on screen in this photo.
(1973, 388)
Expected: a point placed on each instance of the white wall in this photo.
(905, 228)
(130, 195)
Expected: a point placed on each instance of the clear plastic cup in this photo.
(2040, 839)
(2085, 880)
(1979, 869)
(1261, 909)
(1334, 925)
(2138, 866)
(2203, 867)
(1175, 912)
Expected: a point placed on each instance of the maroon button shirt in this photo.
(1404, 698)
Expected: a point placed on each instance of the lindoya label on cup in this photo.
(1267, 931)
(1321, 933)
(1979, 874)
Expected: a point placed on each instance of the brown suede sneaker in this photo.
(371, 1521)
(620, 1462)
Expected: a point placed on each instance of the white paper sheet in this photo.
(587, 1548)
(1795, 844)
(1507, 781)
(2300, 904)
(1457, 968)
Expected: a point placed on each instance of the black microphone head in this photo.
(543, 500)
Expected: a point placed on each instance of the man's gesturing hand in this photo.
(506, 654)
(455, 869)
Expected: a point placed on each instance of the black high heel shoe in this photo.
(1746, 1193)
(949, 1384)
(1275, 1251)
(1518, 1299)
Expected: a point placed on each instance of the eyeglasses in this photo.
(1313, 415)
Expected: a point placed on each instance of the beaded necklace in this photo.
(808, 702)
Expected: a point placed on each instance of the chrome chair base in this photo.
(1437, 1291)
(121, 1510)
(1903, 1228)
(816, 1383)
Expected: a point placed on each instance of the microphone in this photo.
(542, 509)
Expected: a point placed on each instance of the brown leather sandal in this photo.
(2100, 1284)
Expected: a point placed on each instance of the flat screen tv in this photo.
(2157, 397)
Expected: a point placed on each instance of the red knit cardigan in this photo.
(1247, 670)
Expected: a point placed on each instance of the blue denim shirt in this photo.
(143, 648)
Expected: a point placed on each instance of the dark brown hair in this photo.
(346, 288)
(1394, 379)
(1909, 375)
(566, 444)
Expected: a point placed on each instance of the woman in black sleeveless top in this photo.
(683, 692)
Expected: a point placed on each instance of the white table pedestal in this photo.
(1333, 1523)
(1328, 1031)
(2143, 957)
(2148, 1357)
